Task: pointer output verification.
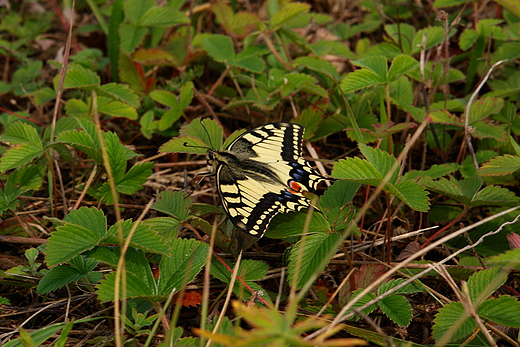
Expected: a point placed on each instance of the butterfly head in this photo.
(211, 156)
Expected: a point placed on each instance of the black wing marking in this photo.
(258, 173)
(279, 146)
(251, 203)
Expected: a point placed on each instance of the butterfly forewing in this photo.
(257, 174)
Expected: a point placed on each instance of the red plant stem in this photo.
(226, 265)
(56, 8)
(449, 225)
(22, 117)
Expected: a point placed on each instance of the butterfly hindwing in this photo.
(258, 172)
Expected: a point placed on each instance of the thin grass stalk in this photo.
(343, 316)
(228, 297)
(121, 267)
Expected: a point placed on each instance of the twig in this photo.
(343, 315)
(467, 129)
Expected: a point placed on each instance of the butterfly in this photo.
(261, 174)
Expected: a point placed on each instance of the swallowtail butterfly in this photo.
(261, 174)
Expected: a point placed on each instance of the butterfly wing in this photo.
(279, 147)
(258, 173)
(251, 203)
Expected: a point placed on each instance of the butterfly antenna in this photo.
(185, 144)
(206, 130)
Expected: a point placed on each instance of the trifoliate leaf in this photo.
(308, 255)
(453, 320)
(500, 166)
(397, 308)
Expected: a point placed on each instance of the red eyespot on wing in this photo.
(294, 187)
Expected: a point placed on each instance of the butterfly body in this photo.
(261, 174)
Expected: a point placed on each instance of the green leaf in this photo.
(21, 180)
(248, 63)
(187, 259)
(166, 227)
(335, 201)
(119, 92)
(186, 95)
(219, 47)
(76, 107)
(22, 133)
(484, 283)
(467, 39)
(249, 270)
(318, 65)
(168, 118)
(507, 50)
(503, 311)
(377, 64)
(516, 146)
(434, 36)
(131, 37)
(38, 337)
(294, 81)
(381, 160)
(116, 155)
(185, 144)
(370, 171)
(401, 65)
(5, 87)
(434, 172)
(412, 194)
(286, 14)
(510, 259)
(402, 92)
(485, 107)
(239, 24)
(144, 237)
(365, 299)
(69, 241)
(19, 155)
(374, 169)
(397, 308)
(90, 218)
(174, 204)
(452, 318)
(313, 250)
(500, 166)
(203, 132)
(410, 288)
(134, 179)
(27, 77)
(61, 275)
(118, 109)
(79, 77)
(162, 16)
(83, 229)
(223, 14)
(164, 97)
(357, 170)
(148, 124)
(402, 35)
(82, 141)
(136, 287)
(483, 130)
(495, 196)
(360, 79)
(134, 9)
(293, 224)
(462, 191)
